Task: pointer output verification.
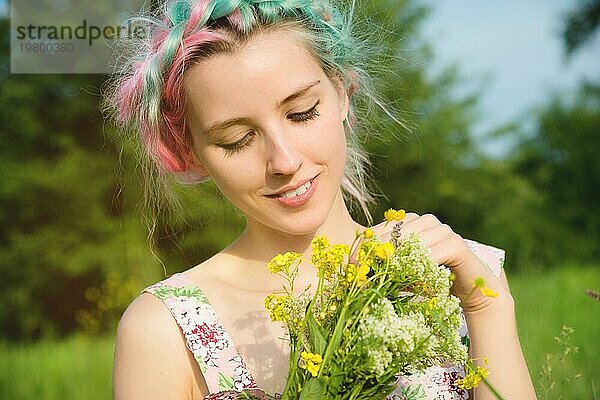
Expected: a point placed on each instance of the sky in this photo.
(511, 50)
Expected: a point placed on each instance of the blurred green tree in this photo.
(64, 222)
(580, 24)
(559, 157)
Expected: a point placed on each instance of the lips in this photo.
(298, 191)
(297, 196)
(293, 190)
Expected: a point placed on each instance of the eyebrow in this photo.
(228, 123)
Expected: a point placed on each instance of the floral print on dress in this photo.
(244, 379)
(433, 383)
(221, 365)
(226, 374)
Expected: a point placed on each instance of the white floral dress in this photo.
(226, 373)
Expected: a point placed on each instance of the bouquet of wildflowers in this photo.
(385, 311)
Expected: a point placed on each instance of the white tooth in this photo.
(298, 191)
(301, 189)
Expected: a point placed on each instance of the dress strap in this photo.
(490, 256)
(222, 366)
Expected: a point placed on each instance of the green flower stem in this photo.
(353, 248)
(469, 295)
(292, 374)
(337, 331)
(493, 390)
(362, 311)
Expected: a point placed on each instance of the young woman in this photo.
(260, 96)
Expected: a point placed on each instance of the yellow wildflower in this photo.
(365, 253)
(356, 272)
(361, 275)
(331, 260)
(394, 215)
(319, 245)
(472, 378)
(479, 282)
(311, 362)
(277, 306)
(486, 291)
(432, 302)
(350, 272)
(431, 305)
(368, 233)
(384, 250)
(283, 262)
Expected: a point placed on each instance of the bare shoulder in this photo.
(151, 359)
(147, 313)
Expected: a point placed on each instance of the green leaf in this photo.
(225, 382)
(465, 340)
(316, 334)
(164, 292)
(201, 363)
(313, 389)
(414, 392)
(335, 340)
(192, 291)
(335, 380)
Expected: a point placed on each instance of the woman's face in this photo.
(267, 127)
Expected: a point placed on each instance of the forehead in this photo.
(266, 70)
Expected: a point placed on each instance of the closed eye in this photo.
(232, 148)
(307, 115)
(236, 147)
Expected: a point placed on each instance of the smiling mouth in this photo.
(296, 192)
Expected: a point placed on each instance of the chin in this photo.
(301, 228)
(305, 222)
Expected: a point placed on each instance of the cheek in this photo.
(330, 143)
(233, 174)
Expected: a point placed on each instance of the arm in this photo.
(493, 334)
(151, 361)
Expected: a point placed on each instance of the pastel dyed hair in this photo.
(149, 95)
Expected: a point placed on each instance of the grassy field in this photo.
(545, 303)
(75, 369)
(80, 368)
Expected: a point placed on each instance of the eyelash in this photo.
(305, 116)
(232, 148)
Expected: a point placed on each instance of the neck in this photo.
(260, 243)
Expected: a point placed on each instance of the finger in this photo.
(419, 225)
(410, 217)
(447, 251)
(466, 268)
(437, 234)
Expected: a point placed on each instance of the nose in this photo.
(284, 158)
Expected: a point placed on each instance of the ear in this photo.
(197, 168)
(343, 96)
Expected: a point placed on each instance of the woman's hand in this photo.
(449, 248)
(491, 321)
